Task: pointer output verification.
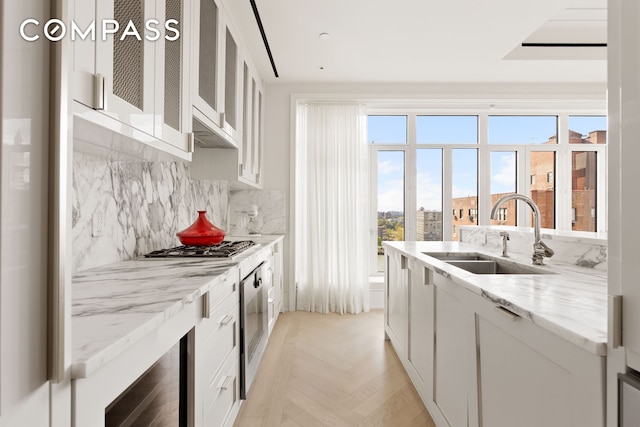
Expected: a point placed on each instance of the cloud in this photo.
(464, 191)
(386, 167)
(504, 178)
(429, 192)
(391, 196)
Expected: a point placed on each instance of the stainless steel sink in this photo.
(494, 267)
(482, 264)
(458, 256)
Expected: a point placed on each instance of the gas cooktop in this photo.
(225, 249)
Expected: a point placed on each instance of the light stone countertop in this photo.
(572, 303)
(116, 305)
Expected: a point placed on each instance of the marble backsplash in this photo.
(270, 212)
(577, 248)
(143, 203)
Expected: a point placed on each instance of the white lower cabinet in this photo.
(531, 377)
(421, 324)
(449, 354)
(396, 301)
(475, 363)
(217, 386)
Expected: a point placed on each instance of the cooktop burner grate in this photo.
(226, 249)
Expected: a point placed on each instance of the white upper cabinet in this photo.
(206, 49)
(250, 156)
(230, 118)
(136, 72)
(173, 96)
(216, 81)
(126, 65)
(227, 98)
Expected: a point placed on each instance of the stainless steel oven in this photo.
(253, 326)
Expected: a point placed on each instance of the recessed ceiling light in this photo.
(324, 36)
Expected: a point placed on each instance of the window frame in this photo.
(562, 175)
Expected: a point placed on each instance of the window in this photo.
(584, 189)
(387, 129)
(503, 181)
(588, 130)
(464, 191)
(429, 194)
(447, 129)
(543, 163)
(391, 187)
(585, 133)
(437, 159)
(523, 130)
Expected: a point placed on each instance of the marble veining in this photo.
(115, 306)
(578, 248)
(144, 204)
(571, 302)
(271, 206)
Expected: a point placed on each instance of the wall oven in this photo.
(253, 326)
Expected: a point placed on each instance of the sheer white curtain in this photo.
(331, 210)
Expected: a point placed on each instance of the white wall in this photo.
(278, 119)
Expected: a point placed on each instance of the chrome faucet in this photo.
(540, 249)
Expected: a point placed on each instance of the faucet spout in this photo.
(540, 249)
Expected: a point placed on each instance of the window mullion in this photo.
(602, 199)
(484, 171)
(410, 191)
(447, 193)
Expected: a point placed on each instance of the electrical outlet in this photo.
(97, 224)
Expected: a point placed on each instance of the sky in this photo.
(459, 130)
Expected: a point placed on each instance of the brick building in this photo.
(542, 181)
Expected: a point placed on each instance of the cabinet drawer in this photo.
(225, 288)
(221, 394)
(219, 337)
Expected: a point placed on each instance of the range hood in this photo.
(208, 135)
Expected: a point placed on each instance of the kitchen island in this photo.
(128, 314)
(487, 349)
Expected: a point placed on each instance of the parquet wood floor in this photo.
(331, 370)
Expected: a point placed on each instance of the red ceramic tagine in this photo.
(201, 233)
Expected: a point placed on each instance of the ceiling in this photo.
(426, 41)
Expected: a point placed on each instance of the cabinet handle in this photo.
(206, 306)
(226, 319)
(270, 300)
(224, 384)
(191, 142)
(99, 83)
(510, 314)
(428, 277)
